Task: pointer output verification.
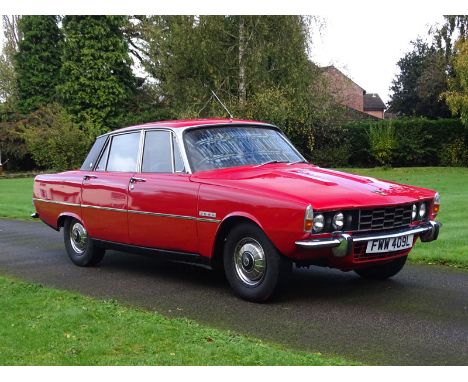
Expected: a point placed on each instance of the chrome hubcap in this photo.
(250, 261)
(78, 238)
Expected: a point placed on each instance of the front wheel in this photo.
(80, 248)
(254, 268)
(383, 271)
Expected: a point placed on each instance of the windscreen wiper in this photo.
(272, 161)
(298, 161)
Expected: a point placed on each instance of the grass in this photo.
(43, 326)
(451, 248)
(16, 198)
(452, 183)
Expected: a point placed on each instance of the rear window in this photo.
(93, 155)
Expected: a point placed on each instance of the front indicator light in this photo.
(308, 219)
(436, 204)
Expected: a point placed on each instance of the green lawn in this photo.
(451, 182)
(16, 198)
(42, 326)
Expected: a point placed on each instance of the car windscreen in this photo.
(220, 147)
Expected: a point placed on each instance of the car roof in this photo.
(185, 123)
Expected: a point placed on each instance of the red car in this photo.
(233, 194)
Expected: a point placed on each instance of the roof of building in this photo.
(372, 102)
(332, 67)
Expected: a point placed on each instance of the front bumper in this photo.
(341, 244)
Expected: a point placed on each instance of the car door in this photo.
(105, 190)
(162, 199)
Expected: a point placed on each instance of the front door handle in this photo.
(134, 180)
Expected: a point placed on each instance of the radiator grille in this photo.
(385, 218)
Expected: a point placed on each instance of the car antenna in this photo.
(222, 104)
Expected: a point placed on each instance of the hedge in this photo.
(398, 143)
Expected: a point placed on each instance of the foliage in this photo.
(37, 62)
(53, 140)
(422, 78)
(8, 88)
(96, 77)
(455, 153)
(457, 95)
(416, 141)
(12, 146)
(382, 143)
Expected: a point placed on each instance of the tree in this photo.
(96, 75)
(52, 138)
(421, 81)
(457, 95)
(8, 91)
(37, 62)
(236, 56)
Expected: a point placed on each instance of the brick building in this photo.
(350, 94)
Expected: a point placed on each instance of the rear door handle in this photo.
(88, 177)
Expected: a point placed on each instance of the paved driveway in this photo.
(420, 317)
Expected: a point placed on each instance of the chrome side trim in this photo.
(55, 202)
(208, 220)
(131, 211)
(104, 208)
(162, 215)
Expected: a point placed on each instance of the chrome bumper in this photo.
(342, 243)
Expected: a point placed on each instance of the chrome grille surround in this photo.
(383, 218)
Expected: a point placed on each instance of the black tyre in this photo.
(383, 271)
(80, 248)
(254, 268)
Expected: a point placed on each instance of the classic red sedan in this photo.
(232, 194)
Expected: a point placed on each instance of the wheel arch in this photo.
(64, 215)
(224, 228)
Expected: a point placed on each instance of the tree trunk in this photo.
(242, 43)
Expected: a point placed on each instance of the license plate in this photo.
(390, 244)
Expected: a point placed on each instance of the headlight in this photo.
(422, 210)
(319, 223)
(338, 221)
(414, 213)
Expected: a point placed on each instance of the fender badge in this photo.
(380, 192)
(207, 214)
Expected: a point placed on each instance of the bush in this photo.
(416, 142)
(382, 143)
(53, 140)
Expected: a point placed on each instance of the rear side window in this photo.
(93, 154)
(123, 154)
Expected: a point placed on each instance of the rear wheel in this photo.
(254, 268)
(383, 271)
(80, 248)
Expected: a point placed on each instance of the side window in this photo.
(157, 152)
(101, 166)
(92, 157)
(123, 154)
(178, 163)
